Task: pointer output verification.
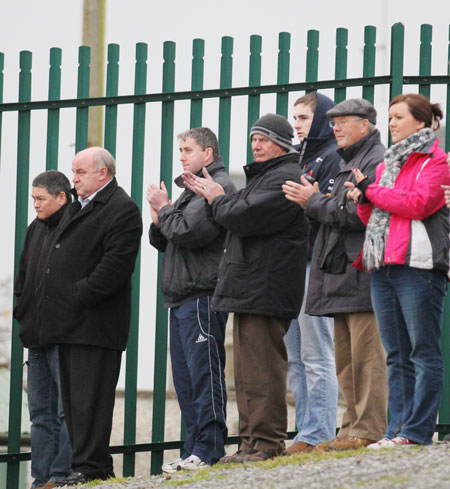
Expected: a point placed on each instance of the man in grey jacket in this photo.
(337, 289)
(192, 243)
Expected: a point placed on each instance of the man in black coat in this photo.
(192, 244)
(338, 289)
(261, 280)
(85, 306)
(50, 445)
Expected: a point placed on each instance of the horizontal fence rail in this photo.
(396, 80)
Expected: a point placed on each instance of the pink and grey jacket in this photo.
(419, 227)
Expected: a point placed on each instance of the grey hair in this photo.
(104, 158)
(204, 137)
(54, 182)
(371, 127)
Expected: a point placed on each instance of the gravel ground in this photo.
(402, 467)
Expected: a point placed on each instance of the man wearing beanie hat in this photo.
(337, 289)
(261, 280)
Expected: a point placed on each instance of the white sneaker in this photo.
(192, 463)
(171, 467)
(395, 442)
(383, 443)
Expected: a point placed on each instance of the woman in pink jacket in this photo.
(407, 250)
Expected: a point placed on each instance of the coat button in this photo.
(57, 245)
(47, 271)
(46, 298)
(225, 250)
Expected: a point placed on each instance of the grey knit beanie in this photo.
(276, 128)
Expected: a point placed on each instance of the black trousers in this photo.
(89, 377)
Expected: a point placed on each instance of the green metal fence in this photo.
(396, 80)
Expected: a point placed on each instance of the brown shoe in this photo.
(261, 456)
(236, 458)
(324, 446)
(350, 443)
(48, 485)
(300, 447)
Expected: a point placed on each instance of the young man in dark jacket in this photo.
(310, 339)
(337, 289)
(261, 280)
(192, 244)
(85, 306)
(50, 445)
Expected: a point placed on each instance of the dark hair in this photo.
(308, 99)
(204, 137)
(54, 182)
(421, 108)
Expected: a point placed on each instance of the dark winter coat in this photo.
(319, 159)
(192, 242)
(86, 293)
(263, 268)
(350, 291)
(29, 277)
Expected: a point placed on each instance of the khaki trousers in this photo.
(361, 371)
(260, 366)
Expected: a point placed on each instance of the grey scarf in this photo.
(378, 228)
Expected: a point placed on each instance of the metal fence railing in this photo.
(396, 80)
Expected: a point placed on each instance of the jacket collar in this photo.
(102, 197)
(349, 153)
(212, 168)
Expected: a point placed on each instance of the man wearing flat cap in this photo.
(261, 280)
(339, 290)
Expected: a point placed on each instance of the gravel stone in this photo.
(399, 468)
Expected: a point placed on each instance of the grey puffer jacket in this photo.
(192, 242)
(350, 291)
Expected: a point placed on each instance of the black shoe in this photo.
(75, 478)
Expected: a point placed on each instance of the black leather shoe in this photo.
(79, 478)
(73, 479)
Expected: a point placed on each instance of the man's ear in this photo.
(61, 198)
(208, 154)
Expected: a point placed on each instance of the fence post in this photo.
(284, 45)
(312, 58)
(397, 45)
(81, 138)
(54, 93)
(226, 76)
(198, 66)
(23, 165)
(426, 33)
(370, 37)
(444, 409)
(112, 90)
(160, 371)
(129, 435)
(340, 72)
(254, 81)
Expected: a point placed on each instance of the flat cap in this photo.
(354, 106)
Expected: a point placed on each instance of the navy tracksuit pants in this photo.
(198, 361)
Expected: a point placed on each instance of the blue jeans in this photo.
(51, 452)
(312, 375)
(408, 304)
(197, 354)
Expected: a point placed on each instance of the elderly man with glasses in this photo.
(339, 290)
